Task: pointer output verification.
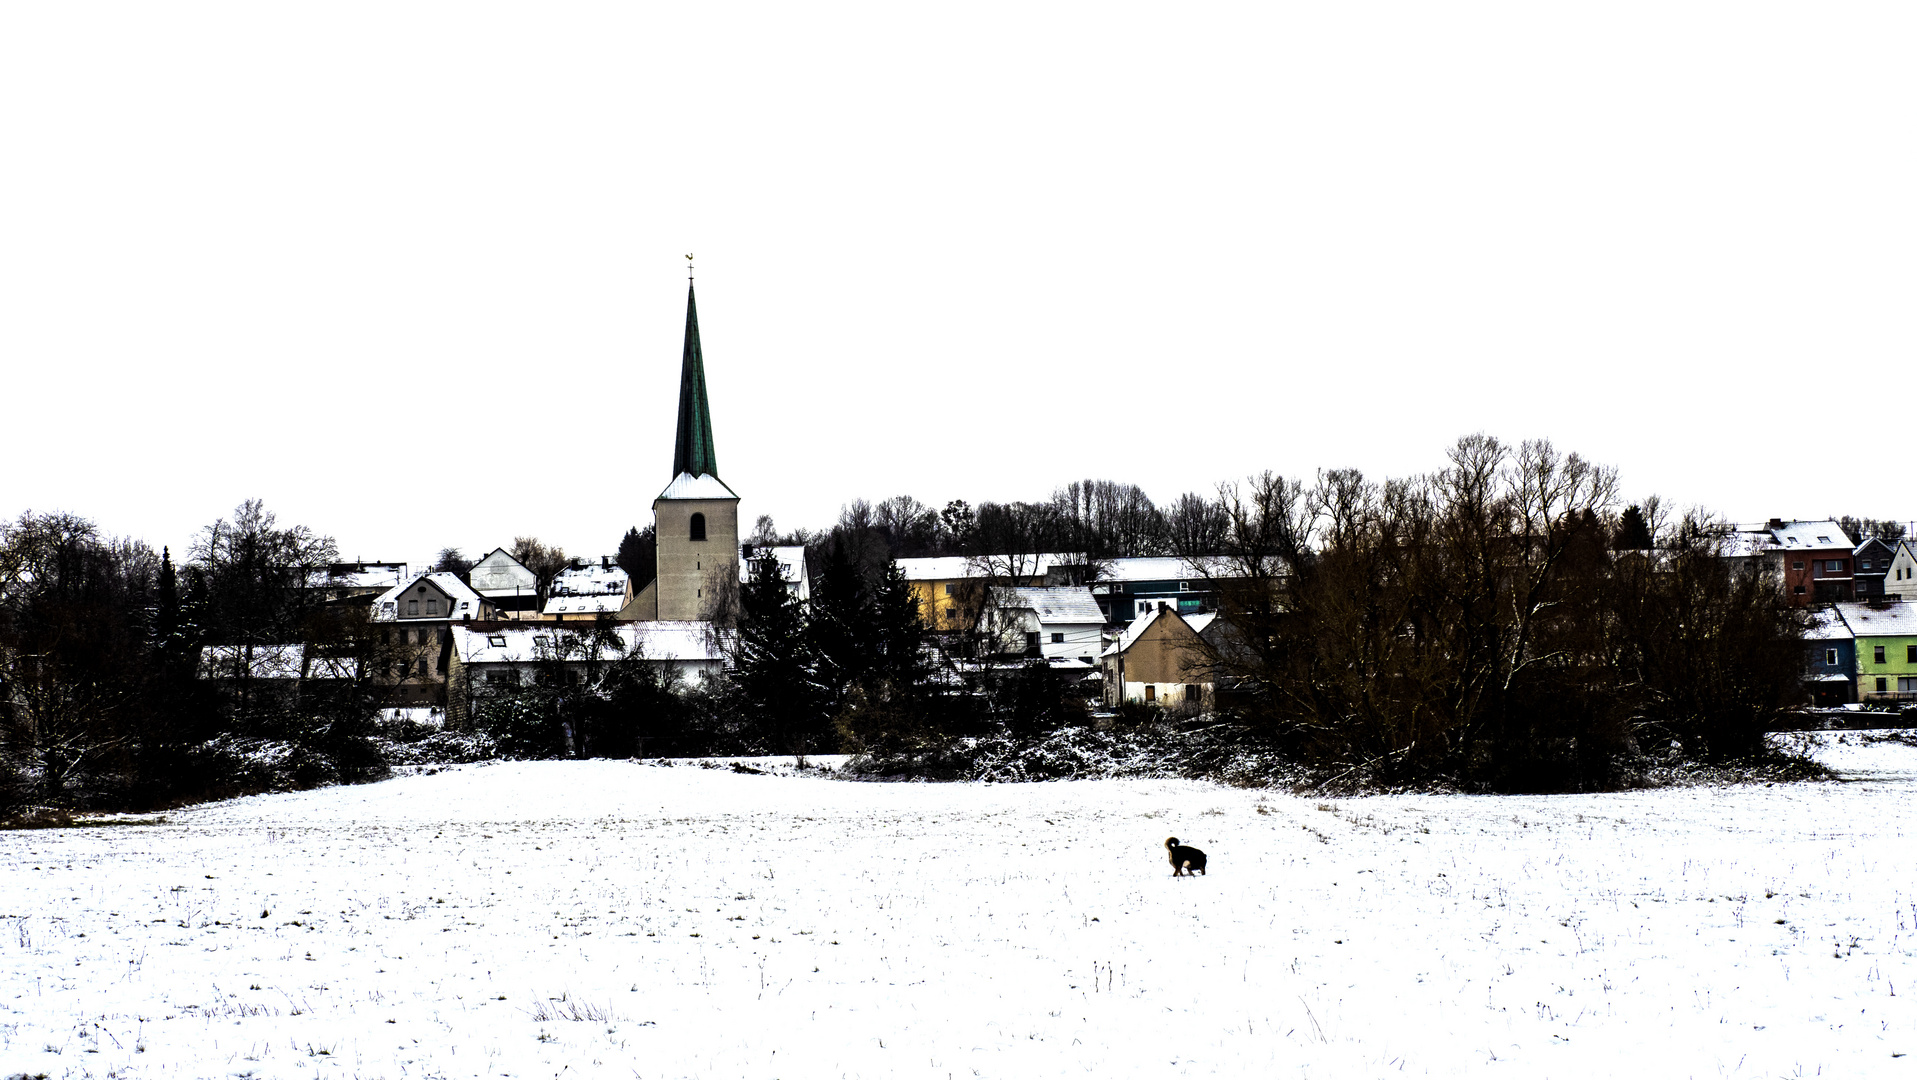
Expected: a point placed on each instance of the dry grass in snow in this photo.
(624, 919)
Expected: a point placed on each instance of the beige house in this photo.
(1158, 660)
(418, 616)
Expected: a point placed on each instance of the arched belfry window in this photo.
(698, 526)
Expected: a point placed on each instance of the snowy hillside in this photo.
(622, 919)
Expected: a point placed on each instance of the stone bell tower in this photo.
(696, 517)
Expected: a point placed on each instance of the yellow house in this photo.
(950, 589)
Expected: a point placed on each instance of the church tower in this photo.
(697, 516)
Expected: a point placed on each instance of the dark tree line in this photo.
(109, 696)
(1492, 624)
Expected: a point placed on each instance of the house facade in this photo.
(1885, 640)
(1830, 659)
(1872, 566)
(1158, 660)
(416, 619)
(1817, 561)
(950, 589)
(1900, 579)
(486, 658)
(1128, 588)
(507, 585)
(1060, 624)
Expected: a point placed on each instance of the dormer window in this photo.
(1823, 539)
(698, 528)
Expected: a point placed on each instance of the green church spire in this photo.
(692, 452)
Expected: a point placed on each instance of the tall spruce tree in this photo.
(775, 667)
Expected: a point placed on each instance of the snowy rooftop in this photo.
(357, 576)
(1129, 636)
(685, 641)
(1060, 604)
(1827, 625)
(956, 567)
(606, 603)
(464, 602)
(1891, 620)
(703, 486)
(596, 578)
(791, 559)
(1801, 535)
(1160, 568)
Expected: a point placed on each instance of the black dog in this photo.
(1185, 861)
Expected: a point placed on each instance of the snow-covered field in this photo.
(622, 919)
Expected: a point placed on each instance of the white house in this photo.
(1060, 623)
(791, 560)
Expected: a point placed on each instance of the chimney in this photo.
(1774, 523)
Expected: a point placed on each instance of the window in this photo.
(1882, 684)
(1151, 692)
(412, 609)
(1799, 590)
(1906, 685)
(422, 668)
(1910, 654)
(698, 531)
(1184, 586)
(432, 605)
(1059, 639)
(1823, 539)
(1031, 643)
(1797, 564)
(951, 613)
(1830, 657)
(498, 641)
(1834, 566)
(1863, 564)
(1194, 693)
(1877, 654)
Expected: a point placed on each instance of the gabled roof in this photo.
(688, 486)
(1057, 604)
(461, 601)
(1809, 535)
(499, 574)
(1827, 624)
(357, 575)
(609, 603)
(596, 578)
(1890, 620)
(1129, 636)
(524, 643)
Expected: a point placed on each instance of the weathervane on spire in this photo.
(688, 267)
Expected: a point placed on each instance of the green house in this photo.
(1886, 649)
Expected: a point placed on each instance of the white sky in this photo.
(414, 275)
